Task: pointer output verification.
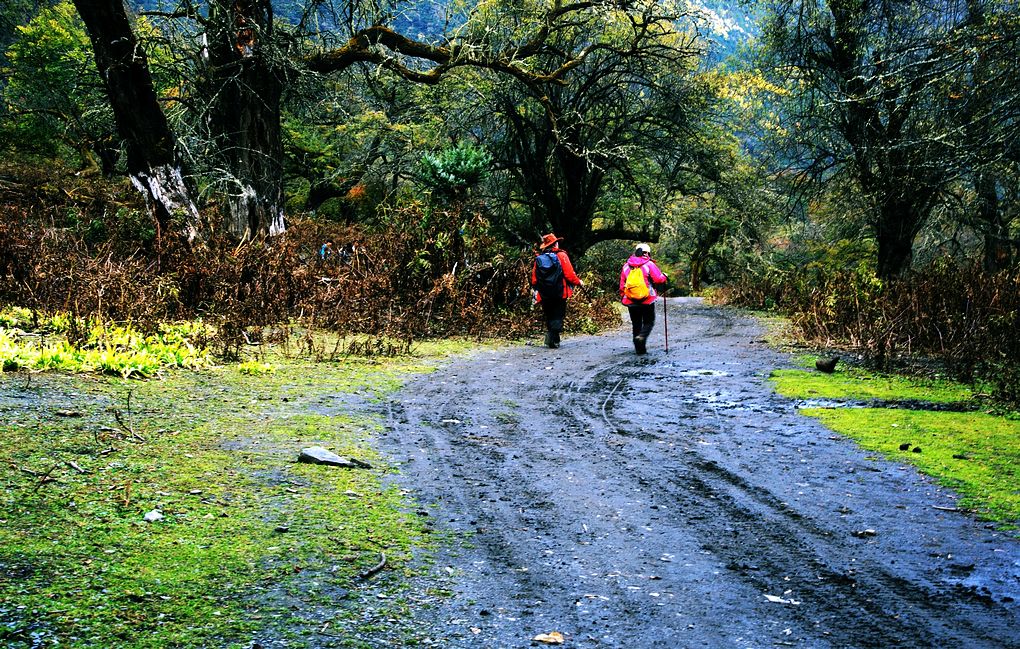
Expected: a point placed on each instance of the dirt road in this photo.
(673, 500)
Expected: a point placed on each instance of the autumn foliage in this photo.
(428, 272)
(957, 317)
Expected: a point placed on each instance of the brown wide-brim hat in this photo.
(549, 240)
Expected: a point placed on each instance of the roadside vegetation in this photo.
(65, 343)
(242, 544)
(951, 320)
(855, 383)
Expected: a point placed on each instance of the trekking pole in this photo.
(665, 323)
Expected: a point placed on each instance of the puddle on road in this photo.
(718, 399)
(703, 372)
(726, 401)
(829, 403)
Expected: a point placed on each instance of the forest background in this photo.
(851, 163)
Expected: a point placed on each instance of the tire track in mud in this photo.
(656, 501)
(755, 517)
(800, 550)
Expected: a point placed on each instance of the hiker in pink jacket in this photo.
(637, 291)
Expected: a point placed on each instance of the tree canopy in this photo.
(886, 123)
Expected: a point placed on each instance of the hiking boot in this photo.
(639, 345)
(551, 340)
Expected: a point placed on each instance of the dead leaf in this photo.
(780, 600)
(553, 637)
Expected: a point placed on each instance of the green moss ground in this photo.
(977, 454)
(251, 542)
(857, 384)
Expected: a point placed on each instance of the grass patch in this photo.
(975, 454)
(250, 542)
(33, 343)
(859, 384)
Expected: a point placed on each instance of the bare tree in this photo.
(986, 97)
(595, 159)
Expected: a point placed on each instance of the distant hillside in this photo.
(727, 25)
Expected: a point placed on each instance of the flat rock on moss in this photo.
(320, 455)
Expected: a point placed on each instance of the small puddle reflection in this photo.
(830, 403)
(717, 399)
(703, 372)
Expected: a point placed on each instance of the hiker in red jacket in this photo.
(637, 291)
(554, 279)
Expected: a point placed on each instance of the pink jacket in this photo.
(651, 272)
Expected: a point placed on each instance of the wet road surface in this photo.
(673, 500)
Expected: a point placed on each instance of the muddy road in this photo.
(673, 500)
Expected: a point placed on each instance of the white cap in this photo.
(643, 249)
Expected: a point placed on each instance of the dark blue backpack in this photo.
(549, 276)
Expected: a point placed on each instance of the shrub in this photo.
(961, 318)
(425, 271)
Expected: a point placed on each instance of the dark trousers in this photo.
(642, 318)
(554, 311)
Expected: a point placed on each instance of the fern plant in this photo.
(453, 171)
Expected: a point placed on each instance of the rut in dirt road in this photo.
(675, 501)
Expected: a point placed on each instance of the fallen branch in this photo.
(374, 569)
(44, 478)
(126, 427)
(125, 424)
(24, 470)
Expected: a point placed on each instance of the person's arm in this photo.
(568, 270)
(657, 275)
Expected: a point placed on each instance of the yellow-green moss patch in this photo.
(855, 383)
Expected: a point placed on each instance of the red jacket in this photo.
(569, 276)
(652, 276)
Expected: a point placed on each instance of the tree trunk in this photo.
(245, 117)
(897, 227)
(153, 163)
(997, 244)
(997, 248)
(573, 212)
(702, 248)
